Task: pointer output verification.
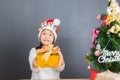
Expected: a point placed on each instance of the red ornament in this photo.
(103, 24)
(104, 18)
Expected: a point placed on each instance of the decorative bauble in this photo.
(97, 53)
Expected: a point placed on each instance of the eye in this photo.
(43, 33)
(50, 34)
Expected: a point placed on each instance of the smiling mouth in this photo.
(46, 40)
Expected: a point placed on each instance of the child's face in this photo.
(46, 37)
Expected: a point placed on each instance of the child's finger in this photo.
(40, 50)
(61, 62)
(34, 63)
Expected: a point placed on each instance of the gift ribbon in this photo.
(50, 49)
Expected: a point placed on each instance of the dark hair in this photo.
(40, 46)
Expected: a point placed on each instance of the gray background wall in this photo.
(18, 33)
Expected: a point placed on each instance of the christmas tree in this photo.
(105, 51)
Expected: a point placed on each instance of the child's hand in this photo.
(61, 61)
(43, 49)
(34, 63)
(39, 51)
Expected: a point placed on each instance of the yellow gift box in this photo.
(49, 57)
(52, 61)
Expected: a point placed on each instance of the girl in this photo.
(47, 35)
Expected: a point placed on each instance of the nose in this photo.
(46, 36)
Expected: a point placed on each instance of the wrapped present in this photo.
(51, 62)
(107, 75)
(48, 58)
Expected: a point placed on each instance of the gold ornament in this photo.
(110, 18)
(119, 34)
(87, 58)
(114, 29)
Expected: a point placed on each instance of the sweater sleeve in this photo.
(32, 56)
(61, 68)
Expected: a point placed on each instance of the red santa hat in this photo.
(51, 24)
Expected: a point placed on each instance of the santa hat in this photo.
(51, 24)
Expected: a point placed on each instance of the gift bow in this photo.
(50, 49)
(114, 29)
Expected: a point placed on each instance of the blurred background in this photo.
(18, 33)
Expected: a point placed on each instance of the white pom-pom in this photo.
(56, 22)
